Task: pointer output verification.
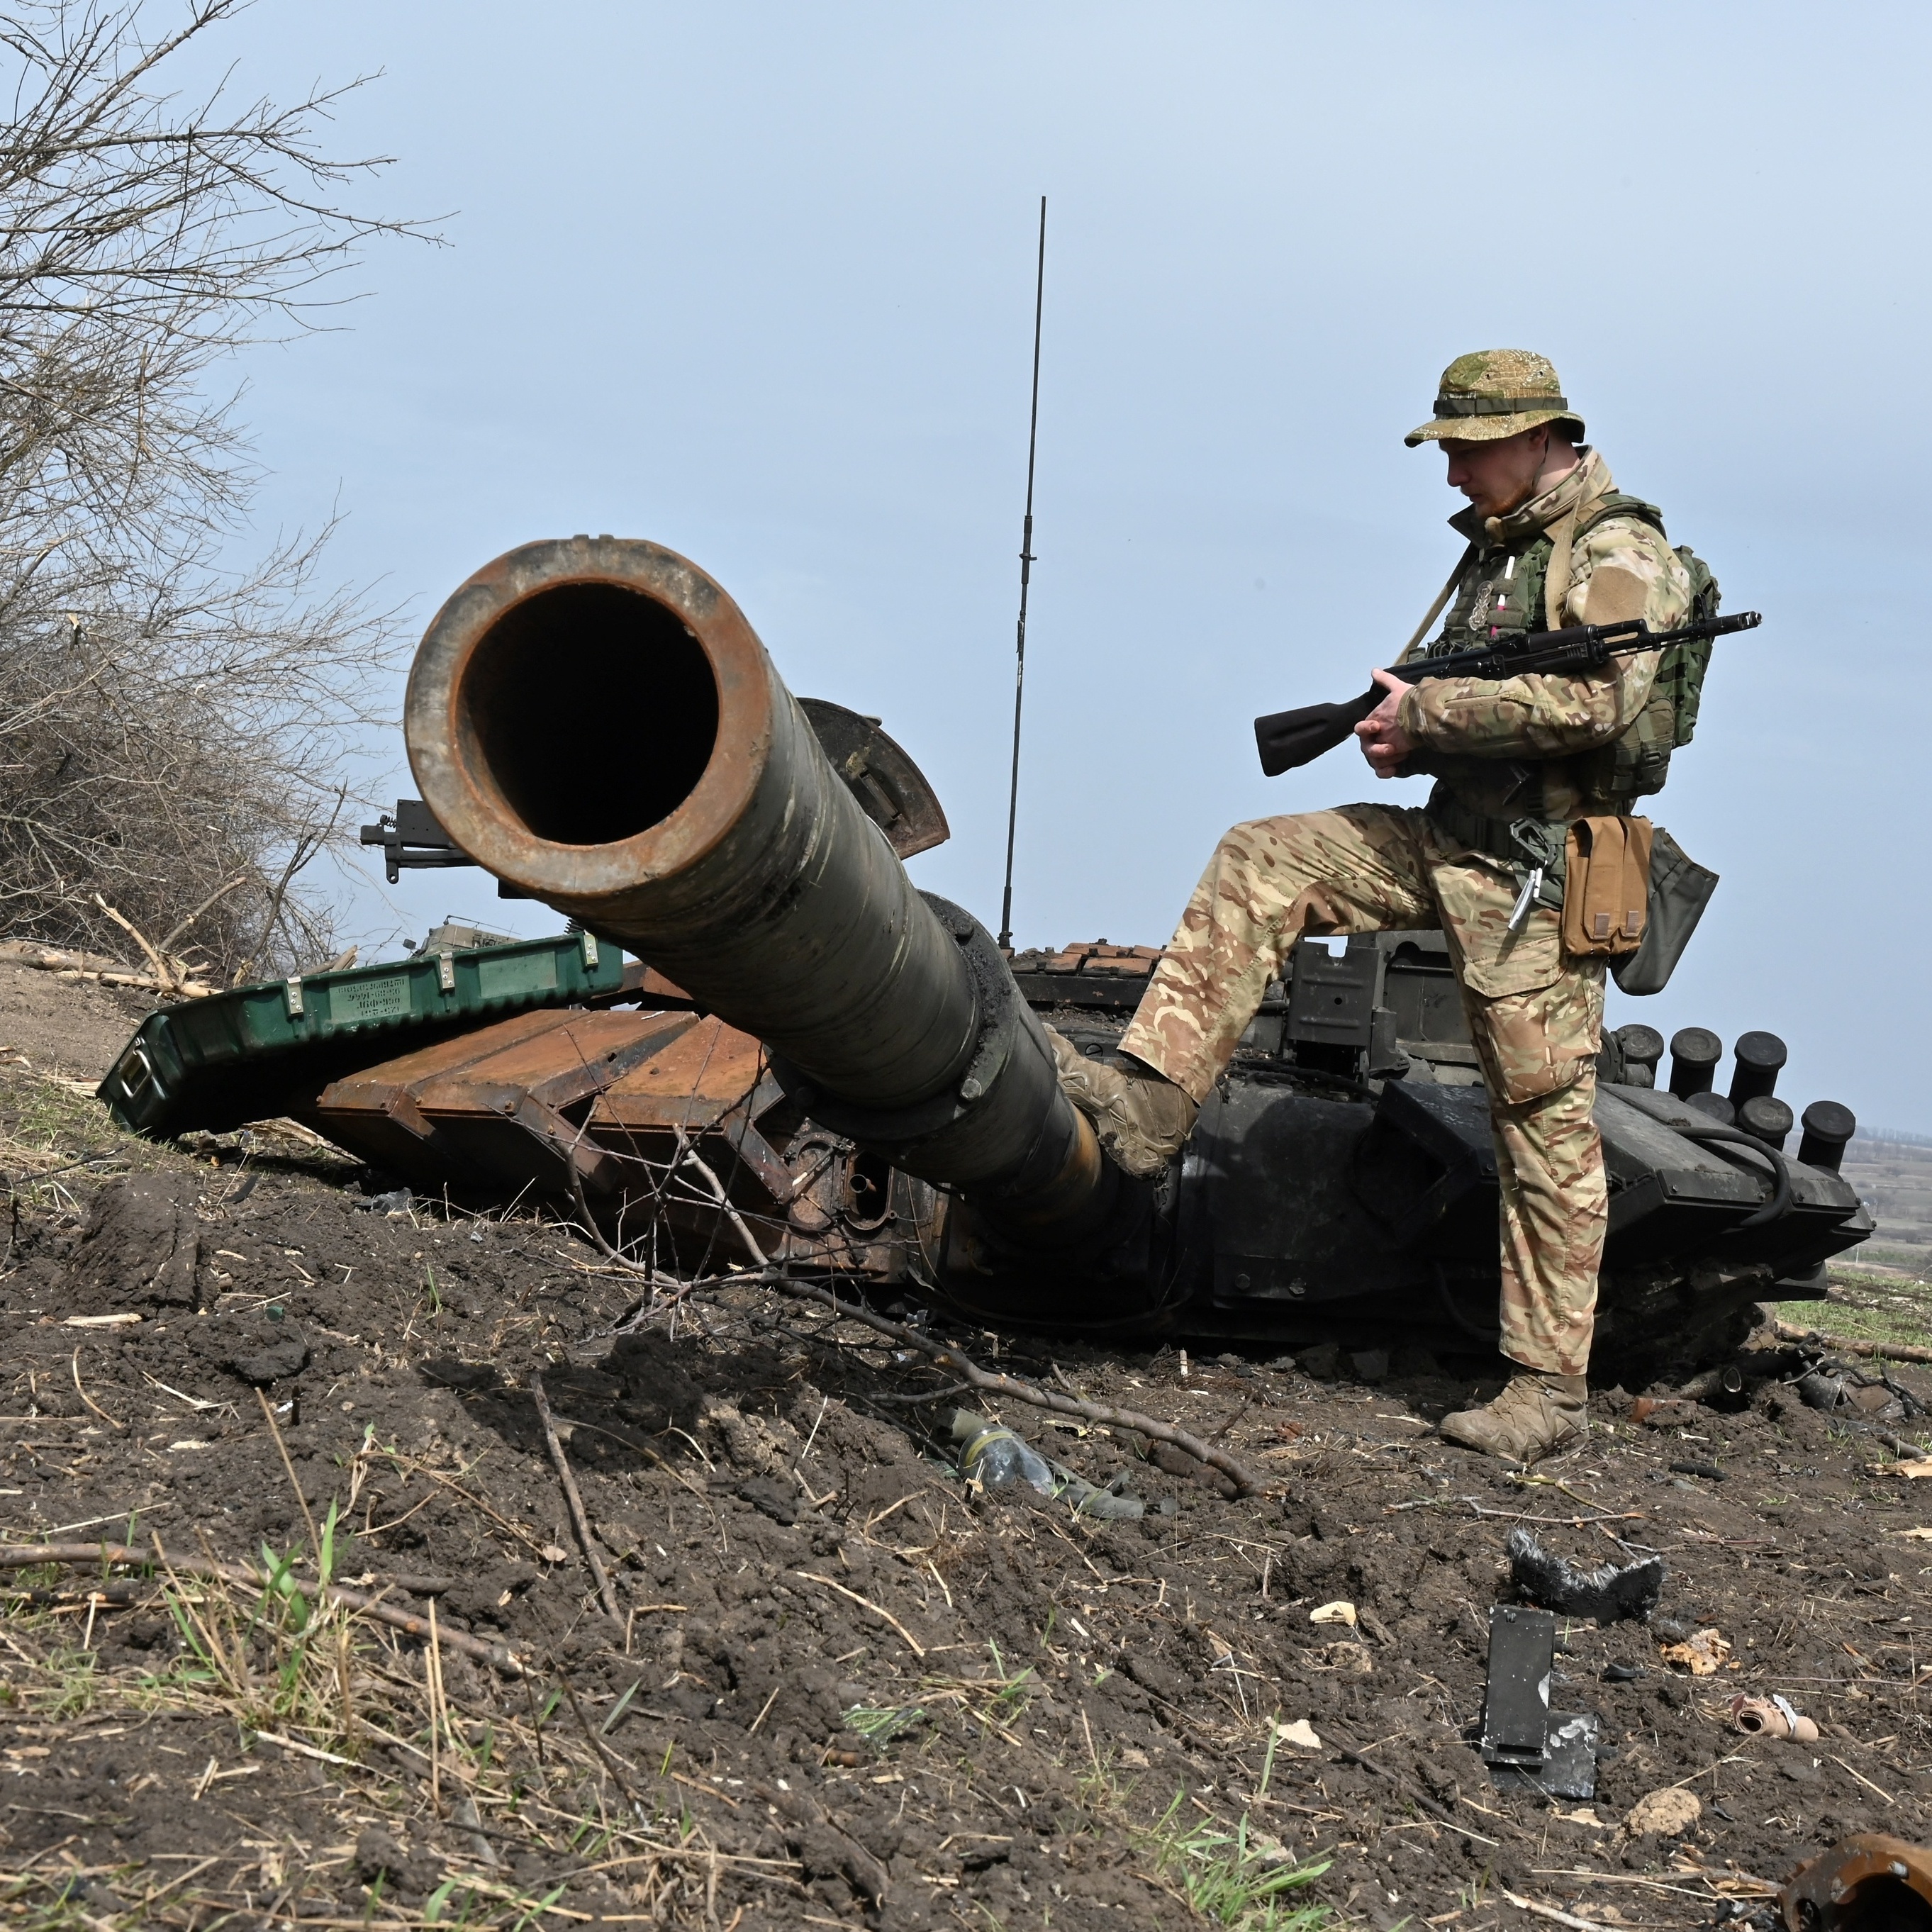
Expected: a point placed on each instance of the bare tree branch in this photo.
(167, 724)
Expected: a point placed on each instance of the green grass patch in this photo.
(1867, 1307)
(1235, 1878)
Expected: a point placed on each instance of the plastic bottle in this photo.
(992, 1454)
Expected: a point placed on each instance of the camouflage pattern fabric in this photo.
(1492, 393)
(1549, 1162)
(1477, 733)
(1537, 1019)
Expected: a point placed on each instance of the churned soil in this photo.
(841, 1686)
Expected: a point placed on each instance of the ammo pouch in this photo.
(1680, 889)
(1606, 887)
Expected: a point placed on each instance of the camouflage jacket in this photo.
(1538, 746)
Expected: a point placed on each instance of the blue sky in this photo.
(755, 280)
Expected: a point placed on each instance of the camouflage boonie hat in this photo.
(1495, 393)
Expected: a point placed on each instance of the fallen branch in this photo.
(948, 1357)
(94, 967)
(58, 958)
(1847, 1345)
(1550, 1911)
(580, 1521)
(163, 971)
(27, 1556)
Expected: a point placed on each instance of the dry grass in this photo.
(281, 1676)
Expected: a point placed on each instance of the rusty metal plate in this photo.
(373, 1113)
(642, 1112)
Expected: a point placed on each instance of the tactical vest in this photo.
(1510, 595)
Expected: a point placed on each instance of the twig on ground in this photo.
(22, 1556)
(641, 1447)
(1350, 1754)
(912, 1642)
(90, 1401)
(606, 1758)
(438, 1714)
(32, 1177)
(301, 1501)
(1550, 1911)
(948, 1357)
(503, 1522)
(580, 1521)
(941, 1394)
(1848, 1345)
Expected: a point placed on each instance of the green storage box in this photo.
(254, 1052)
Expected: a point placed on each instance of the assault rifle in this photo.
(1287, 738)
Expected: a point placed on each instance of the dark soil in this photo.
(844, 1688)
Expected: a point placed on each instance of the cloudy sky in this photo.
(755, 280)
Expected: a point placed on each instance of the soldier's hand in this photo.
(1385, 745)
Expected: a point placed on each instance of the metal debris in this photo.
(1523, 1741)
(1773, 1717)
(1608, 1593)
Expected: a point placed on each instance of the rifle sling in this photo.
(1442, 597)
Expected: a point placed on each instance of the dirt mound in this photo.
(840, 1687)
(140, 1248)
(61, 1026)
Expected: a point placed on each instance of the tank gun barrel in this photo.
(596, 723)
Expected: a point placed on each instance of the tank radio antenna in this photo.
(1026, 577)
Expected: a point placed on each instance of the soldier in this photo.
(1551, 542)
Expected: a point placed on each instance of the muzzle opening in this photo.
(591, 711)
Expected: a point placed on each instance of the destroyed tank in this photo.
(816, 1067)
(1340, 1182)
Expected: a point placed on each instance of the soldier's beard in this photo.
(1557, 462)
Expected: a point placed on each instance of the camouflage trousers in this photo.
(1536, 1018)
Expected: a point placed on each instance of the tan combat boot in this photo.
(1142, 1121)
(1536, 1415)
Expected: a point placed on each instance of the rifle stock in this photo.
(1287, 738)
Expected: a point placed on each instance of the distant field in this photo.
(1882, 1291)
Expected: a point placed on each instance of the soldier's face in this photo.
(1497, 476)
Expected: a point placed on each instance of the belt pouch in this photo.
(1607, 887)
